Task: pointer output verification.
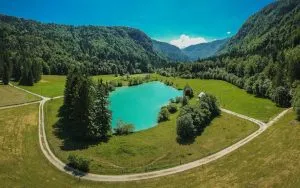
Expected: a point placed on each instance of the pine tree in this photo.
(7, 68)
(100, 119)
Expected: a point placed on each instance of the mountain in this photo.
(272, 29)
(204, 50)
(191, 53)
(169, 51)
(100, 49)
(263, 57)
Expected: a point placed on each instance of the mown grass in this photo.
(270, 160)
(152, 149)
(11, 96)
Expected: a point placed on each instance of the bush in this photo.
(185, 128)
(79, 163)
(164, 114)
(172, 108)
(185, 101)
(123, 129)
(178, 99)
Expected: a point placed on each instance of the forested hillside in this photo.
(263, 57)
(204, 50)
(169, 51)
(54, 47)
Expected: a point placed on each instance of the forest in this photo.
(30, 48)
(263, 57)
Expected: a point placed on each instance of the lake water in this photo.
(140, 105)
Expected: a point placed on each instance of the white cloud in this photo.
(185, 41)
(228, 32)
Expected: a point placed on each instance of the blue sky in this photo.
(165, 20)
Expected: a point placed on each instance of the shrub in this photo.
(123, 129)
(172, 108)
(164, 114)
(185, 128)
(79, 163)
(178, 99)
(185, 100)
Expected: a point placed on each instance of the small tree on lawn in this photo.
(185, 128)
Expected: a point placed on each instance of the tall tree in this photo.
(7, 68)
(100, 116)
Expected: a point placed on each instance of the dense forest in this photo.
(263, 57)
(28, 46)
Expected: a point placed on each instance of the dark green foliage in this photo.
(188, 91)
(26, 72)
(99, 126)
(102, 50)
(281, 96)
(199, 116)
(37, 68)
(185, 128)
(123, 128)
(78, 102)
(185, 100)
(296, 101)
(209, 102)
(178, 99)
(164, 115)
(172, 108)
(6, 67)
(78, 163)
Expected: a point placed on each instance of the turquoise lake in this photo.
(140, 105)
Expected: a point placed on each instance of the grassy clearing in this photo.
(49, 86)
(152, 149)
(231, 97)
(11, 96)
(271, 160)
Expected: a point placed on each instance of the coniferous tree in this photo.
(100, 115)
(7, 68)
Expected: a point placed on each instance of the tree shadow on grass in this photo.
(74, 171)
(71, 141)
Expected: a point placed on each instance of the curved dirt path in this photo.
(147, 175)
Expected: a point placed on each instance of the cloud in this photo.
(228, 32)
(185, 41)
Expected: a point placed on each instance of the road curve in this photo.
(147, 175)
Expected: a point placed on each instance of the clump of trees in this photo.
(123, 128)
(193, 119)
(79, 163)
(296, 100)
(85, 112)
(172, 108)
(164, 114)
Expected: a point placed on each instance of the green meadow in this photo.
(228, 95)
(147, 150)
(271, 160)
(11, 96)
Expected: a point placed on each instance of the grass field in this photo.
(229, 96)
(11, 96)
(271, 160)
(155, 148)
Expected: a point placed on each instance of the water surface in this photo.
(140, 104)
